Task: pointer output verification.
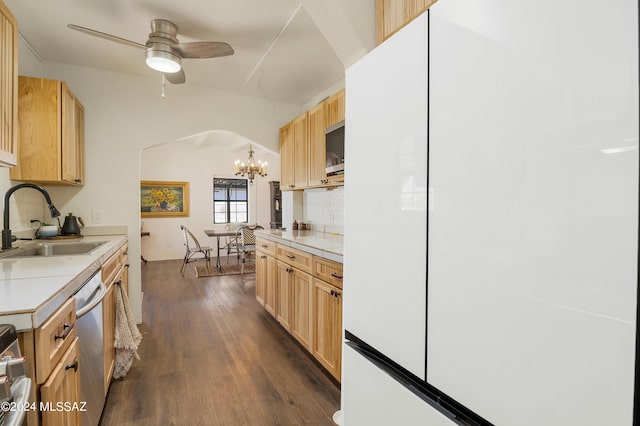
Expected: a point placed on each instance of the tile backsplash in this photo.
(324, 209)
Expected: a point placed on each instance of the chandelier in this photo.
(251, 169)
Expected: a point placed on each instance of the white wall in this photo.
(125, 114)
(197, 160)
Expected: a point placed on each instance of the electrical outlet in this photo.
(330, 217)
(96, 216)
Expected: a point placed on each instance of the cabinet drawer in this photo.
(296, 258)
(266, 246)
(124, 254)
(54, 337)
(111, 267)
(328, 271)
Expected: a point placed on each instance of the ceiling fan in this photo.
(163, 52)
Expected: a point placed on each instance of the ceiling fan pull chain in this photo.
(163, 84)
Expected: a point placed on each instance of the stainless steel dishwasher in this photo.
(90, 333)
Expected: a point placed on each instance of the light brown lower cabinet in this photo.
(307, 305)
(327, 326)
(301, 313)
(266, 275)
(261, 277)
(293, 303)
(60, 394)
(114, 272)
(109, 333)
(283, 293)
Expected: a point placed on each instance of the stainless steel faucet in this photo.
(6, 232)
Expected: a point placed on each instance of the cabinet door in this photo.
(62, 389)
(270, 299)
(79, 142)
(286, 157)
(334, 109)
(317, 150)
(8, 87)
(109, 325)
(261, 276)
(39, 130)
(391, 15)
(301, 152)
(301, 318)
(283, 305)
(124, 253)
(334, 112)
(327, 326)
(70, 139)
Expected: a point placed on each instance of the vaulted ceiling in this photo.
(285, 50)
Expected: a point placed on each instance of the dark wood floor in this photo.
(211, 355)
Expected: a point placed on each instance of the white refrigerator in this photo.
(491, 218)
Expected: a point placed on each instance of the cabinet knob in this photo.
(336, 276)
(290, 256)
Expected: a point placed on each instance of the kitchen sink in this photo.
(54, 249)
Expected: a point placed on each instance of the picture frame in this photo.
(164, 198)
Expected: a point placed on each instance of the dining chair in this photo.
(231, 242)
(193, 250)
(247, 243)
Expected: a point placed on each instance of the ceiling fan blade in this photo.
(203, 49)
(106, 36)
(176, 77)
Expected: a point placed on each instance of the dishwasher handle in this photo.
(102, 290)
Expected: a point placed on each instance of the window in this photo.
(230, 201)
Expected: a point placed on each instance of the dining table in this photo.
(218, 234)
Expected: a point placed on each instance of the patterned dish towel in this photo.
(127, 337)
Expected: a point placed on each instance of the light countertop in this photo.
(32, 288)
(323, 244)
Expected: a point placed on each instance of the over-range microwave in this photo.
(334, 137)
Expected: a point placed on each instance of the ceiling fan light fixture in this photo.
(163, 61)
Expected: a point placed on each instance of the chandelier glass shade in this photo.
(251, 168)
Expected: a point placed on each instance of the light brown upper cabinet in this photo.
(391, 15)
(334, 109)
(51, 132)
(8, 87)
(294, 154)
(302, 146)
(316, 127)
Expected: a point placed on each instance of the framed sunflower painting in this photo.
(164, 199)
